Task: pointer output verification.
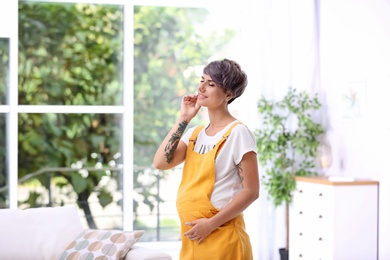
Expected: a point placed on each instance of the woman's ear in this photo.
(229, 96)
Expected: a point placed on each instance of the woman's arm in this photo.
(172, 151)
(248, 170)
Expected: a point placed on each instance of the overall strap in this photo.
(225, 136)
(195, 133)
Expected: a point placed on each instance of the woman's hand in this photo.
(189, 107)
(172, 150)
(201, 228)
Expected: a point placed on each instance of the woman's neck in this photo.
(218, 122)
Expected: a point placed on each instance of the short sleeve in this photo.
(186, 137)
(242, 140)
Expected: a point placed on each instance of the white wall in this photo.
(355, 54)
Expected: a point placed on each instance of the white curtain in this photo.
(290, 57)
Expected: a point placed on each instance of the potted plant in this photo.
(287, 143)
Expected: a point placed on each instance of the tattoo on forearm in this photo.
(240, 172)
(173, 142)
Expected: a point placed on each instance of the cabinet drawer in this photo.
(313, 192)
(310, 247)
(309, 197)
(322, 247)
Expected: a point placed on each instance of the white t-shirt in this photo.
(227, 180)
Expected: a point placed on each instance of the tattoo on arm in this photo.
(173, 142)
(240, 172)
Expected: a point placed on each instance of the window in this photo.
(99, 87)
(70, 63)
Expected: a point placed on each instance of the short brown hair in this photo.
(228, 75)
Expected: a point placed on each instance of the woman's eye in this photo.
(201, 80)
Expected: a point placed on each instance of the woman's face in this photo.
(210, 94)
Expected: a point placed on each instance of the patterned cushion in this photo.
(101, 245)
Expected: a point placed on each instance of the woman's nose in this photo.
(201, 87)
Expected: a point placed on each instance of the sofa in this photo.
(57, 233)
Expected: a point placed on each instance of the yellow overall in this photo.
(229, 241)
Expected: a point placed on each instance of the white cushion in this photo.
(141, 253)
(37, 233)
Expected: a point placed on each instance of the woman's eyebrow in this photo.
(209, 80)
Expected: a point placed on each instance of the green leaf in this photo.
(105, 198)
(78, 182)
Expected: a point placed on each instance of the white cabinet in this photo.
(334, 220)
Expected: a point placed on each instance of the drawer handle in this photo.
(320, 194)
(301, 234)
(320, 216)
(300, 212)
(300, 255)
(300, 191)
(320, 239)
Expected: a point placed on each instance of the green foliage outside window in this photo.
(4, 59)
(70, 54)
(166, 46)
